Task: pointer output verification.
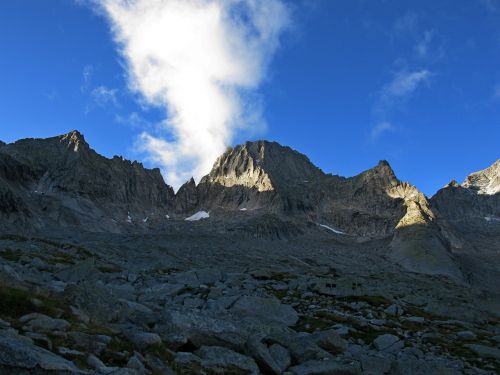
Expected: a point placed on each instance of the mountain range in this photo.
(61, 184)
(268, 265)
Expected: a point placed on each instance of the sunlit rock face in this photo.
(486, 181)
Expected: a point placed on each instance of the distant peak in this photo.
(453, 183)
(385, 168)
(486, 181)
(75, 139)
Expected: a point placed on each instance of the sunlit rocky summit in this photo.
(267, 265)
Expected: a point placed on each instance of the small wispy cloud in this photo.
(491, 5)
(496, 92)
(87, 73)
(104, 96)
(135, 120)
(51, 95)
(381, 128)
(393, 96)
(406, 24)
(403, 85)
(423, 45)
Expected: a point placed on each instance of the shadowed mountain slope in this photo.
(259, 188)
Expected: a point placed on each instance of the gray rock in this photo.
(203, 329)
(142, 340)
(485, 351)
(424, 367)
(221, 360)
(19, 354)
(208, 276)
(330, 341)
(281, 356)
(135, 363)
(158, 366)
(416, 319)
(215, 360)
(394, 310)
(328, 367)
(303, 348)
(263, 357)
(375, 365)
(265, 309)
(94, 344)
(83, 271)
(388, 343)
(467, 335)
(43, 323)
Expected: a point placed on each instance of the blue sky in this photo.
(352, 82)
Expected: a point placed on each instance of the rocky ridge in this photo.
(293, 271)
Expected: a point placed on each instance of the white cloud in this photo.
(393, 95)
(381, 128)
(496, 92)
(406, 24)
(88, 72)
(404, 84)
(423, 45)
(103, 96)
(134, 120)
(491, 5)
(198, 59)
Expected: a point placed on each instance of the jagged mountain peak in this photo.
(486, 181)
(74, 140)
(382, 176)
(261, 165)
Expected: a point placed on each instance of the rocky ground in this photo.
(201, 300)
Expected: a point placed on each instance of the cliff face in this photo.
(269, 177)
(64, 183)
(61, 184)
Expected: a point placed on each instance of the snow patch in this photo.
(331, 229)
(167, 217)
(491, 218)
(198, 216)
(145, 220)
(243, 209)
(129, 218)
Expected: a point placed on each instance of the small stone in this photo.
(330, 341)
(416, 319)
(388, 343)
(70, 352)
(142, 340)
(467, 335)
(394, 310)
(281, 356)
(485, 351)
(330, 367)
(135, 363)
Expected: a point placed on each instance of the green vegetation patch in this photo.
(11, 255)
(376, 301)
(109, 269)
(15, 302)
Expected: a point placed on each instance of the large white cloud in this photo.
(198, 59)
